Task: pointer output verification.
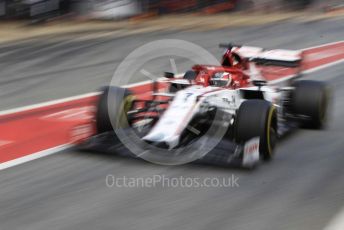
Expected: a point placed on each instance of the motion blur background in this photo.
(53, 49)
(41, 10)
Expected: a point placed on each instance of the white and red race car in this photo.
(233, 102)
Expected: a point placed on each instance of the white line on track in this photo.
(323, 67)
(57, 149)
(62, 100)
(53, 102)
(307, 71)
(67, 99)
(34, 156)
(323, 45)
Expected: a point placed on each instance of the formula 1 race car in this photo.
(235, 97)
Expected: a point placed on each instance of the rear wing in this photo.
(286, 58)
(260, 56)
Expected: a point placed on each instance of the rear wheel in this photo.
(309, 100)
(112, 108)
(257, 118)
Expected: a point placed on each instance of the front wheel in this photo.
(257, 118)
(113, 105)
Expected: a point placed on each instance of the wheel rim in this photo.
(271, 132)
(126, 106)
(273, 139)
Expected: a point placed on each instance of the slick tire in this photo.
(257, 118)
(119, 101)
(310, 100)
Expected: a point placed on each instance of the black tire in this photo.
(190, 75)
(309, 99)
(118, 99)
(257, 118)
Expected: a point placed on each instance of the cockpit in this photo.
(221, 79)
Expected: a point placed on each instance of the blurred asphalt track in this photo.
(301, 189)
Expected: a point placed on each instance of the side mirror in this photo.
(169, 75)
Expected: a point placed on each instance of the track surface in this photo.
(301, 189)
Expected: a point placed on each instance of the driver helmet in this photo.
(221, 79)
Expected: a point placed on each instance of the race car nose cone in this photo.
(159, 137)
(161, 140)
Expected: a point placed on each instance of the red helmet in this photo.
(221, 79)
